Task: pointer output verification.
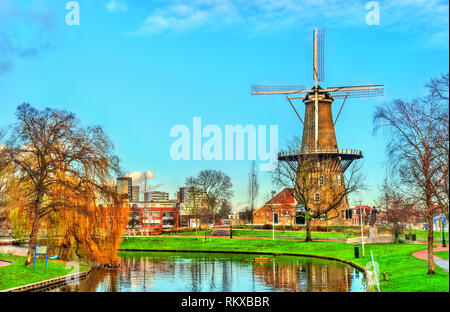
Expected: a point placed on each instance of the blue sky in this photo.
(138, 68)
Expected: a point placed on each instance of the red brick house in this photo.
(283, 205)
(283, 209)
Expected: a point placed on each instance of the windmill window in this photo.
(339, 180)
(321, 180)
(317, 197)
(329, 136)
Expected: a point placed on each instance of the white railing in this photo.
(334, 151)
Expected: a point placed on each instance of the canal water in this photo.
(204, 272)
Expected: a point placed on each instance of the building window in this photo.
(317, 197)
(155, 213)
(321, 180)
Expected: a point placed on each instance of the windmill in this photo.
(319, 137)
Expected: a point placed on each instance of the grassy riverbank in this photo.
(405, 273)
(17, 274)
(341, 234)
(278, 233)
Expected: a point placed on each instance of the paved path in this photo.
(14, 250)
(4, 263)
(221, 230)
(423, 254)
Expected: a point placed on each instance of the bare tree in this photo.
(225, 209)
(439, 94)
(217, 187)
(247, 215)
(397, 212)
(195, 200)
(303, 173)
(416, 153)
(438, 87)
(4, 198)
(53, 156)
(253, 189)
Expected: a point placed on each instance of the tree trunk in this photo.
(395, 237)
(308, 231)
(33, 237)
(430, 245)
(196, 227)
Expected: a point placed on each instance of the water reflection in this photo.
(200, 272)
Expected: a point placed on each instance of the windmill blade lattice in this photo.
(260, 89)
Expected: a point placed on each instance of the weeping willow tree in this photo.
(90, 231)
(65, 173)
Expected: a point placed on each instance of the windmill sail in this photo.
(356, 91)
(318, 54)
(259, 89)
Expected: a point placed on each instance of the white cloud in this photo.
(240, 206)
(429, 18)
(116, 6)
(139, 176)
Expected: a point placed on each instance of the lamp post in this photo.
(230, 216)
(362, 230)
(442, 217)
(273, 215)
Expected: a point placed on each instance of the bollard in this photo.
(356, 252)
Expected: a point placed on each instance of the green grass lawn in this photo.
(423, 234)
(17, 274)
(442, 254)
(420, 234)
(292, 234)
(280, 234)
(405, 272)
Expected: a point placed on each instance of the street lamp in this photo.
(273, 215)
(442, 217)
